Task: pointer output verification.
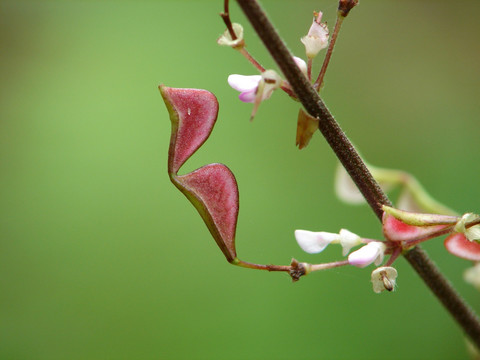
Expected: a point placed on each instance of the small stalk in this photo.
(331, 265)
(328, 55)
(226, 19)
(395, 254)
(248, 265)
(251, 59)
(309, 69)
(228, 23)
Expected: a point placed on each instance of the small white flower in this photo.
(252, 87)
(373, 252)
(349, 240)
(472, 276)
(317, 37)
(473, 232)
(315, 242)
(226, 38)
(384, 278)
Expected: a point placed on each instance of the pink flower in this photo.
(247, 85)
(373, 252)
(255, 88)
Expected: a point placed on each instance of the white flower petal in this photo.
(372, 252)
(315, 242)
(316, 39)
(379, 258)
(244, 82)
(348, 240)
(301, 64)
(384, 278)
(473, 233)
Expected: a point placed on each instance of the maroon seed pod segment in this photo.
(212, 189)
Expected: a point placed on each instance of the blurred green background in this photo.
(102, 258)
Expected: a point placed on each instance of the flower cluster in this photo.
(372, 252)
(402, 230)
(257, 88)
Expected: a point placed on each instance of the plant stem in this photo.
(316, 267)
(249, 265)
(355, 167)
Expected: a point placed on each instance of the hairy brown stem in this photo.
(355, 167)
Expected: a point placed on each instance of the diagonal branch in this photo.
(355, 167)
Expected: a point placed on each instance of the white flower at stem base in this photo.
(473, 232)
(373, 252)
(226, 38)
(315, 242)
(384, 278)
(472, 276)
(317, 37)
